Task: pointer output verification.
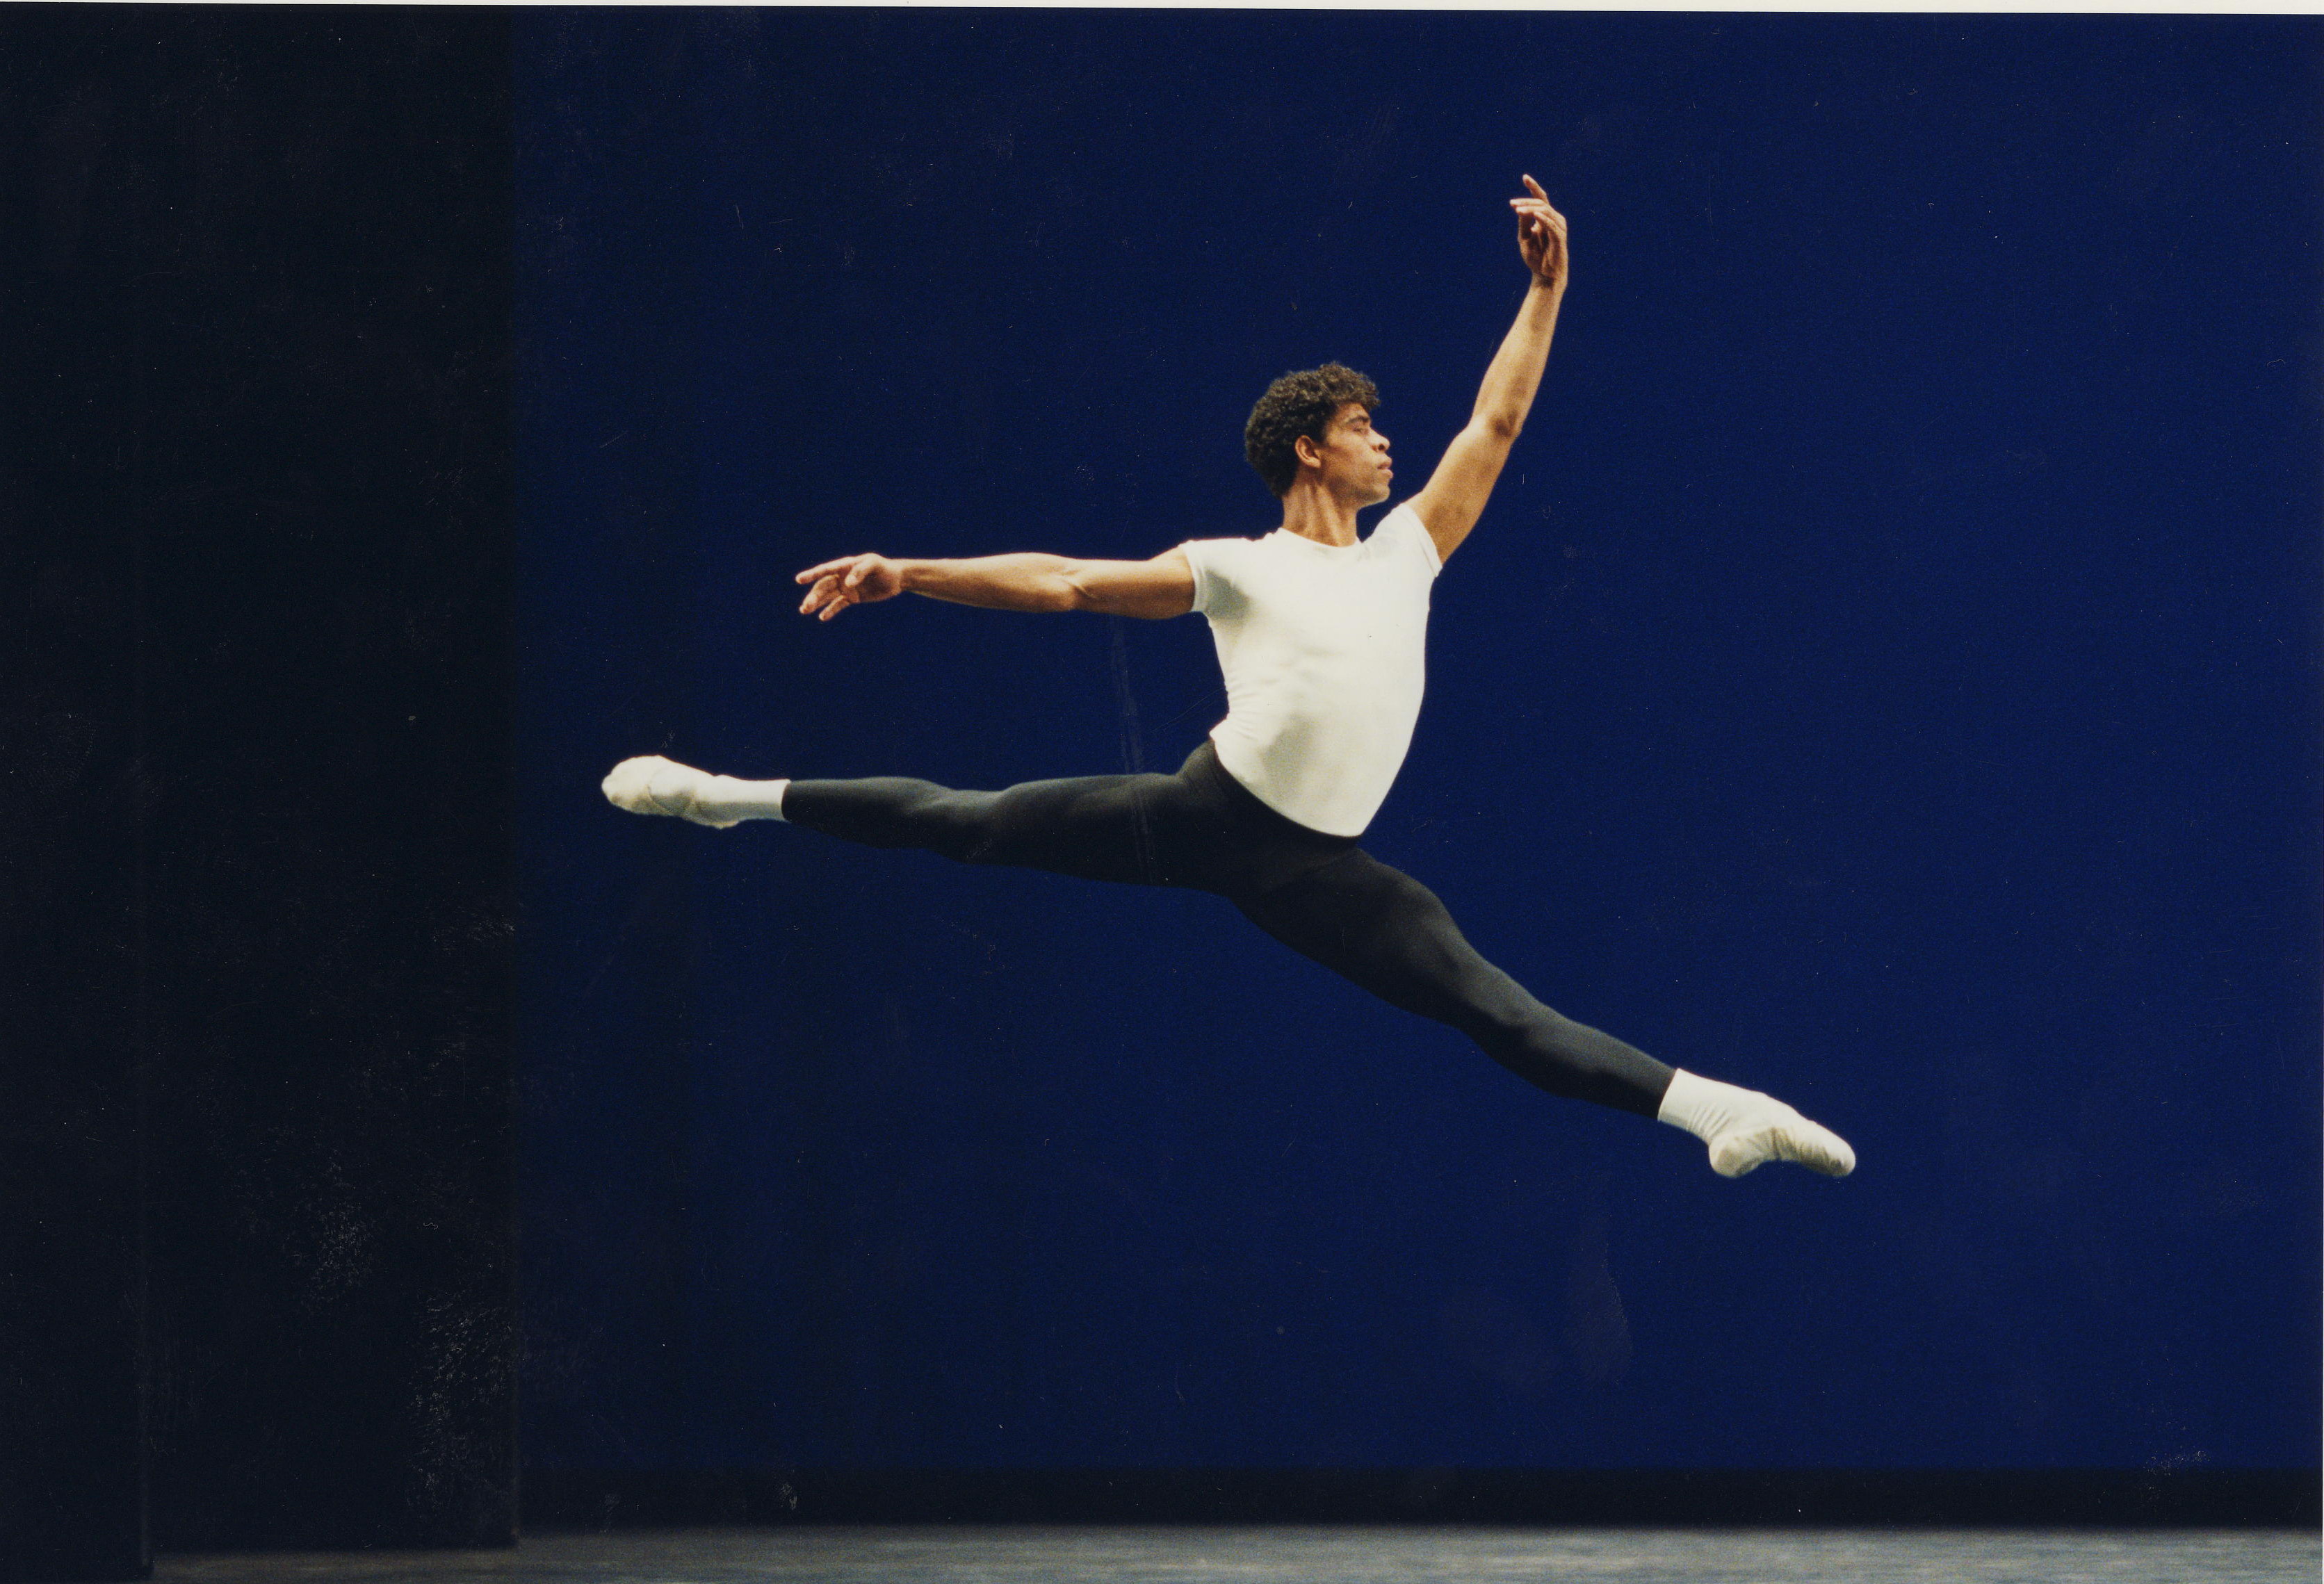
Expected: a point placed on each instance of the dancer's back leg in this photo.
(1096, 827)
(1391, 935)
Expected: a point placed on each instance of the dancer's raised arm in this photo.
(1456, 492)
(1161, 587)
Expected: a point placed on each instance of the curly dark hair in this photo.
(1299, 403)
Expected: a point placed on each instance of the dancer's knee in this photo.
(960, 825)
(1097, 827)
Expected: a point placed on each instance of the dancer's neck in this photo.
(1313, 514)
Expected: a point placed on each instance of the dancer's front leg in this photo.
(1392, 935)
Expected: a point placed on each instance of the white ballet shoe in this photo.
(1780, 1134)
(655, 785)
(1745, 1129)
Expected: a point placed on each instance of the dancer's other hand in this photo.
(851, 580)
(1541, 236)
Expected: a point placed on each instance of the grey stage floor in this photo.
(1023, 1555)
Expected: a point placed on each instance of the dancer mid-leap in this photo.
(1319, 634)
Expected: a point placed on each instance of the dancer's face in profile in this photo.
(1353, 457)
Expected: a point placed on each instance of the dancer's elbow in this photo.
(1085, 585)
(1067, 589)
(1153, 590)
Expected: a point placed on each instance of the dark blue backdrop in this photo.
(1886, 676)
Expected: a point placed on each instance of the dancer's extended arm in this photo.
(1164, 587)
(1456, 492)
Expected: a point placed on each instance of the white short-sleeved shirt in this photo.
(1323, 647)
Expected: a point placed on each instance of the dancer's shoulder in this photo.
(1403, 529)
(1222, 554)
(1216, 565)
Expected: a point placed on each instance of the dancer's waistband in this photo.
(1205, 770)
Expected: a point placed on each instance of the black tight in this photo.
(1322, 896)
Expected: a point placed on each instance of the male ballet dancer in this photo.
(1319, 634)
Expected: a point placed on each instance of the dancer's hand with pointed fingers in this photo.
(1541, 236)
(851, 580)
